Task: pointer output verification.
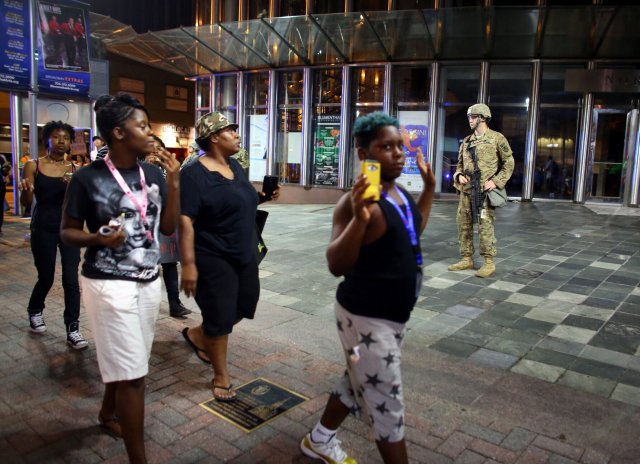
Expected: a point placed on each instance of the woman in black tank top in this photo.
(46, 179)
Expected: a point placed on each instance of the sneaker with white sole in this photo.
(36, 321)
(74, 338)
(330, 453)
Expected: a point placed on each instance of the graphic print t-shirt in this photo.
(94, 196)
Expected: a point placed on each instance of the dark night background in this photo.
(145, 15)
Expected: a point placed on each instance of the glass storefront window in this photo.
(459, 87)
(258, 7)
(228, 11)
(292, 8)
(512, 123)
(289, 127)
(460, 84)
(552, 85)
(226, 95)
(203, 93)
(555, 153)
(414, 4)
(328, 6)
(509, 94)
(411, 85)
(411, 104)
(556, 149)
(367, 97)
(510, 84)
(368, 85)
(370, 5)
(327, 95)
(256, 124)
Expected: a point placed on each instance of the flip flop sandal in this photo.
(111, 425)
(223, 399)
(193, 346)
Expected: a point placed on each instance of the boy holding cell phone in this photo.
(375, 245)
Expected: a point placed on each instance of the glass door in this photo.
(607, 154)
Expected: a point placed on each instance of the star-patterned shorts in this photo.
(372, 384)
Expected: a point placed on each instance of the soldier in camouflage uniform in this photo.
(495, 162)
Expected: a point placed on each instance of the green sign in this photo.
(326, 150)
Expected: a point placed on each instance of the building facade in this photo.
(563, 84)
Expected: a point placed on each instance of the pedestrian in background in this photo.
(376, 247)
(98, 145)
(494, 160)
(124, 204)
(46, 179)
(169, 253)
(5, 168)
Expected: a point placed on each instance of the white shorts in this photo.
(122, 315)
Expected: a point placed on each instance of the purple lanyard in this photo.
(140, 206)
(407, 220)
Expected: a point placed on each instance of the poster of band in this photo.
(326, 150)
(415, 136)
(63, 46)
(15, 55)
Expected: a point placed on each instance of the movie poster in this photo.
(15, 45)
(326, 150)
(415, 135)
(63, 45)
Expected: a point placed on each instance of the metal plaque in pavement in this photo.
(257, 402)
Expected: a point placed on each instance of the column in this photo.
(272, 113)
(15, 107)
(532, 133)
(387, 96)
(307, 129)
(345, 135)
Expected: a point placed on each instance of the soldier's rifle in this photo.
(477, 194)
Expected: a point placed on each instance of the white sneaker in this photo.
(36, 321)
(74, 338)
(330, 453)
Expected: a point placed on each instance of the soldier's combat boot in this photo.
(487, 269)
(465, 263)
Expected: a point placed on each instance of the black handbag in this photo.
(261, 249)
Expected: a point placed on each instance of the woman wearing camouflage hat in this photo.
(218, 245)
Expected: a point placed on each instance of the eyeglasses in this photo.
(473, 116)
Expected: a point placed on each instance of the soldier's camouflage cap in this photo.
(211, 123)
(481, 109)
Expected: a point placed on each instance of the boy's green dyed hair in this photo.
(366, 127)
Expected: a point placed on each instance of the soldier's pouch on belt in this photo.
(497, 197)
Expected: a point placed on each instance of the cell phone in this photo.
(269, 185)
(371, 169)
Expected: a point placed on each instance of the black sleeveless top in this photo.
(382, 284)
(49, 193)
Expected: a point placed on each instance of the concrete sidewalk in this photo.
(540, 363)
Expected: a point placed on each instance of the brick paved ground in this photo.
(494, 371)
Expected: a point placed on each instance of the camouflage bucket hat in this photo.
(211, 123)
(481, 109)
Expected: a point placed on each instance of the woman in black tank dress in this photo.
(218, 245)
(46, 179)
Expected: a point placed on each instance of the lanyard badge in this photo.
(141, 206)
(407, 220)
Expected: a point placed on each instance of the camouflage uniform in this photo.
(495, 162)
(243, 158)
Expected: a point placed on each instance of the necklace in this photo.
(55, 161)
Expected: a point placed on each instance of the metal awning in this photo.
(585, 32)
